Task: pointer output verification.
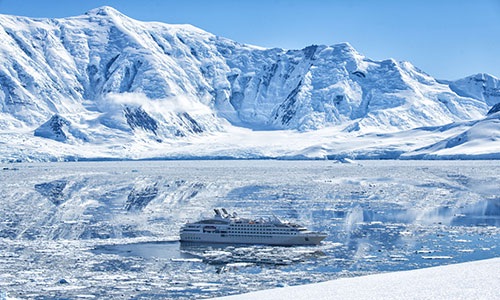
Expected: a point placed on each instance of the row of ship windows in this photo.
(192, 238)
(248, 236)
(261, 229)
(245, 233)
(258, 226)
(263, 232)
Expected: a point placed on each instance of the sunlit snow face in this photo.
(87, 68)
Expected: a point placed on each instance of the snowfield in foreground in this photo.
(472, 280)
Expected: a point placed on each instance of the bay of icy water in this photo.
(110, 229)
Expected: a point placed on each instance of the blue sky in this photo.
(447, 39)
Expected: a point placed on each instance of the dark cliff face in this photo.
(138, 118)
(53, 129)
(494, 109)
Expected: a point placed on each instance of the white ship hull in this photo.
(285, 240)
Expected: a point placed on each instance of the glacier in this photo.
(119, 88)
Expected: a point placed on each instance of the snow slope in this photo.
(477, 139)
(124, 86)
(479, 86)
(472, 280)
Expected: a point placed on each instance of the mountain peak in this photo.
(104, 11)
(479, 86)
(483, 76)
(345, 49)
(344, 45)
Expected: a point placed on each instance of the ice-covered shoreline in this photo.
(470, 280)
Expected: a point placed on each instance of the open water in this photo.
(110, 229)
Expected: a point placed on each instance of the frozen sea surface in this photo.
(110, 229)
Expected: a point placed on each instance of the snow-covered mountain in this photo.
(480, 86)
(471, 139)
(105, 85)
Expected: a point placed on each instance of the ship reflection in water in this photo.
(223, 256)
(242, 255)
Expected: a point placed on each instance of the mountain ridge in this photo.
(118, 80)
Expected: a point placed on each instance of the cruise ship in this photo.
(230, 229)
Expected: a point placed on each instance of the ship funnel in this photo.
(225, 211)
(217, 212)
